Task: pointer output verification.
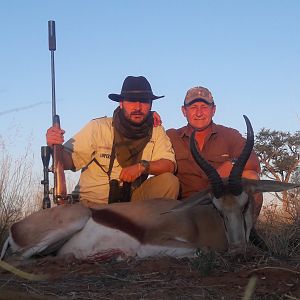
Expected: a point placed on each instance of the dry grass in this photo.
(281, 229)
(162, 278)
(19, 190)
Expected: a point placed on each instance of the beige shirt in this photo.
(94, 141)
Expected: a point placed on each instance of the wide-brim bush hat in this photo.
(134, 89)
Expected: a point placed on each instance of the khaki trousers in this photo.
(165, 185)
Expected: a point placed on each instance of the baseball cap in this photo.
(198, 93)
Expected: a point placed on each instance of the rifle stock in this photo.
(60, 191)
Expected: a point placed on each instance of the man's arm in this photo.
(251, 170)
(131, 173)
(161, 166)
(236, 144)
(67, 160)
(55, 136)
(253, 163)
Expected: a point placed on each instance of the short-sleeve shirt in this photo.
(94, 142)
(221, 144)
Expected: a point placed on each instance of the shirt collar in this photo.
(188, 129)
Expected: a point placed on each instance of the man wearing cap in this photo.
(117, 154)
(220, 145)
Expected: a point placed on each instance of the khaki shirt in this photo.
(94, 141)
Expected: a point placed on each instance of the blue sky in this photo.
(246, 52)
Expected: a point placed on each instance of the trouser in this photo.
(165, 185)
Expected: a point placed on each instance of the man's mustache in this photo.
(137, 113)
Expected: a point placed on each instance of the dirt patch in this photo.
(208, 276)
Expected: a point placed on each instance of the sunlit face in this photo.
(135, 111)
(199, 114)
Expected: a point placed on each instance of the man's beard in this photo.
(135, 113)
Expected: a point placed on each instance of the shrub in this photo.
(18, 193)
(281, 229)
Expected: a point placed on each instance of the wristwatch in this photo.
(146, 165)
(233, 161)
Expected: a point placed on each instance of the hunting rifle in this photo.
(60, 191)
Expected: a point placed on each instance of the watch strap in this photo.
(146, 165)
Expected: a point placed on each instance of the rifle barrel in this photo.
(52, 48)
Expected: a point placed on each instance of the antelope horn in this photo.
(212, 174)
(235, 177)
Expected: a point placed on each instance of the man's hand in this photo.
(54, 136)
(156, 119)
(131, 173)
(225, 169)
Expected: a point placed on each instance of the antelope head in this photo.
(229, 197)
(233, 196)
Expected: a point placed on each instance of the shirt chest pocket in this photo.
(217, 153)
(103, 160)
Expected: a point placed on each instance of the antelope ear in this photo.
(200, 198)
(253, 186)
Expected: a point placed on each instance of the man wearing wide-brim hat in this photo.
(116, 155)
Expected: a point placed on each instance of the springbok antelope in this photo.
(218, 218)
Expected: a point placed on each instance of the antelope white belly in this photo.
(96, 238)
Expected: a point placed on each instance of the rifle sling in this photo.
(126, 186)
(111, 162)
